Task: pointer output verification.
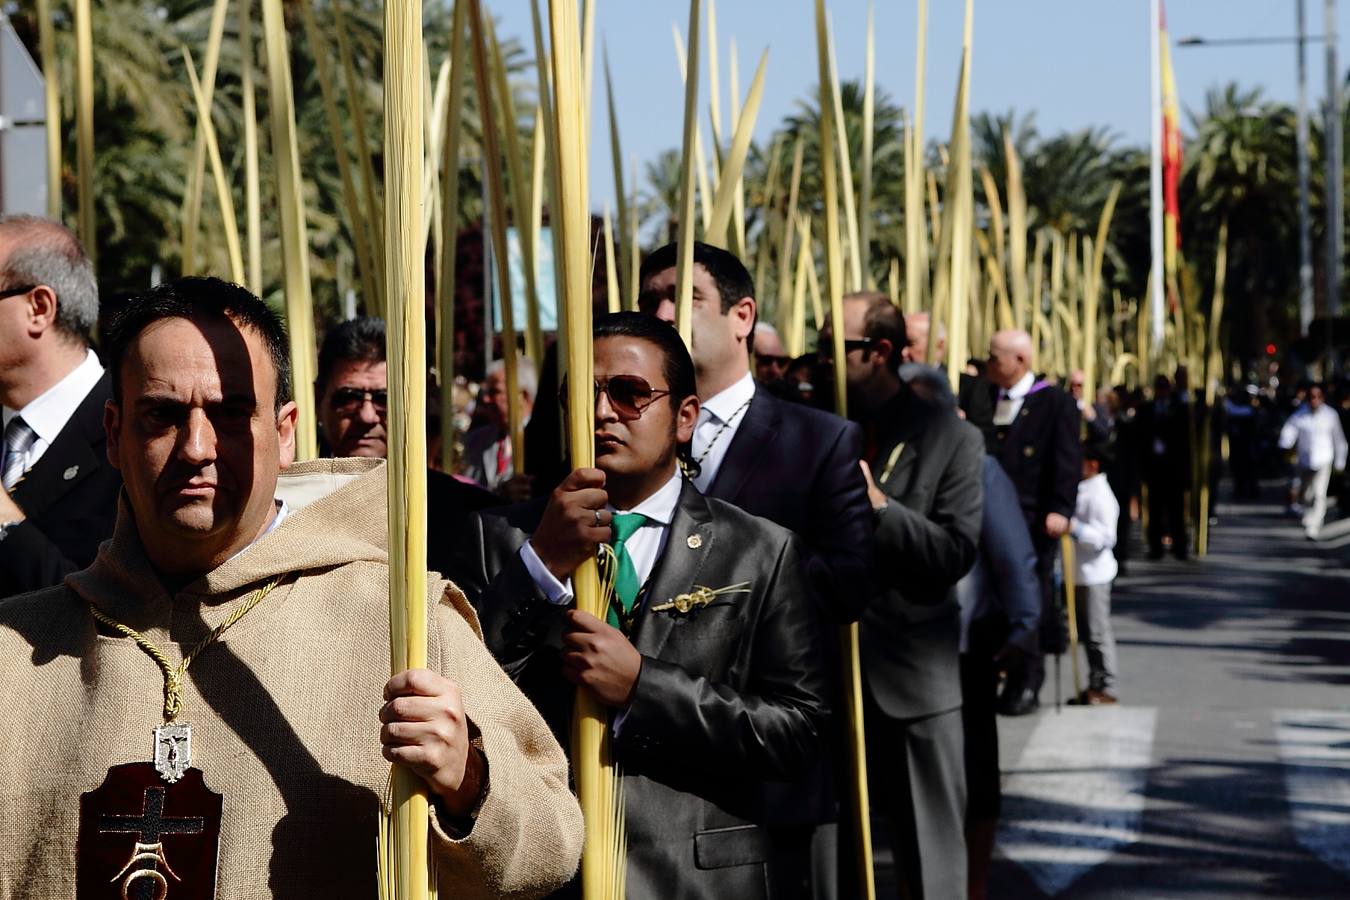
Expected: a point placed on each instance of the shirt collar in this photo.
(724, 404)
(48, 413)
(660, 507)
(1022, 388)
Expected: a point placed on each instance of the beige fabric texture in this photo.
(283, 711)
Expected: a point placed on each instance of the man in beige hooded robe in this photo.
(293, 715)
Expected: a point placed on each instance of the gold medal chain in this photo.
(173, 675)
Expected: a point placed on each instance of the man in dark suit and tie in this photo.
(924, 484)
(1036, 438)
(787, 462)
(59, 496)
(711, 658)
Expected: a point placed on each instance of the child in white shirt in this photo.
(1093, 527)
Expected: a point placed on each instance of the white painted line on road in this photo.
(1077, 794)
(1315, 750)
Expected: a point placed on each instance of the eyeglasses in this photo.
(348, 400)
(779, 362)
(16, 291)
(826, 348)
(629, 395)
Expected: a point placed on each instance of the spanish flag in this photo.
(1171, 159)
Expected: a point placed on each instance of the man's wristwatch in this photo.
(6, 526)
(879, 511)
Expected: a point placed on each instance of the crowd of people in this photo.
(152, 502)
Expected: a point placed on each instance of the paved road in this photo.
(1226, 770)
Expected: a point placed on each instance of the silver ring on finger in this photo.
(598, 523)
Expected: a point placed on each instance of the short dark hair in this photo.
(197, 299)
(883, 320)
(730, 275)
(678, 367)
(356, 340)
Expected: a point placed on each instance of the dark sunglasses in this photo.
(348, 400)
(826, 348)
(16, 291)
(629, 395)
(781, 362)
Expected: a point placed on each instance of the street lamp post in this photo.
(1306, 306)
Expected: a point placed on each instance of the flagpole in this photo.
(1158, 285)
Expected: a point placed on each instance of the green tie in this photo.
(626, 583)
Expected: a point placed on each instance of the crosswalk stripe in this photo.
(1077, 794)
(1315, 750)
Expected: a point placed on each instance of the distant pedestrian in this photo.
(1165, 462)
(1094, 535)
(1314, 432)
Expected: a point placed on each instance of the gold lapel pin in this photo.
(694, 541)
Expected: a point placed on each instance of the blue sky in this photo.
(1075, 63)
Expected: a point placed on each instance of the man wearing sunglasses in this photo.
(352, 390)
(711, 658)
(788, 462)
(924, 470)
(59, 494)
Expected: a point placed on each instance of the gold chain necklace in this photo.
(173, 741)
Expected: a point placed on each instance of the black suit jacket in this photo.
(69, 499)
(926, 540)
(730, 700)
(1043, 456)
(1170, 430)
(798, 466)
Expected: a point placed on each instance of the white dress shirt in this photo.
(1095, 517)
(718, 420)
(644, 546)
(1318, 437)
(1010, 400)
(49, 412)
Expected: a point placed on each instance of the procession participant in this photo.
(711, 657)
(59, 494)
(972, 394)
(772, 361)
(1093, 527)
(487, 455)
(352, 393)
(1165, 451)
(923, 478)
(1036, 439)
(1314, 432)
(786, 462)
(245, 614)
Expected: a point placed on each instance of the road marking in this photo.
(1315, 750)
(1077, 793)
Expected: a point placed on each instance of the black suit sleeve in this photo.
(934, 550)
(840, 530)
(30, 561)
(1068, 456)
(771, 730)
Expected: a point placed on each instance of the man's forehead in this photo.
(214, 355)
(624, 355)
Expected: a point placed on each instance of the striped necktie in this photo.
(18, 438)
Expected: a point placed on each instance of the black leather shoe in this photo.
(1023, 703)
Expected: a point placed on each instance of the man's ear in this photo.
(743, 313)
(883, 348)
(41, 309)
(686, 418)
(112, 423)
(286, 417)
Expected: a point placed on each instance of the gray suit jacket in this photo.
(730, 701)
(925, 542)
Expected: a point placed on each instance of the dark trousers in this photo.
(1167, 515)
(917, 780)
(979, 722)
